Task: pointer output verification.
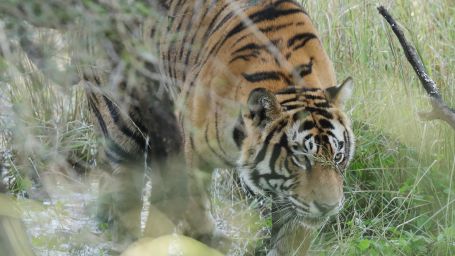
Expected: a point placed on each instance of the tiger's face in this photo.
(298, 144)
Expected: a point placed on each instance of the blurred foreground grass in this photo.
(399, 189)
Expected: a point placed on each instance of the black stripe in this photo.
(254, 176)
(330, 133)
(205, 39)
(303, 37)
(278, 3)
(290, 100)
(245, 57)
(326, 124)
(99, 117)
(251, 46)
(273, 28)
(187, 57)
(121, 153)
(324, 139)
(272, 176)
(183, 18)
(307, 163)
(284, 143)
(264, 76)
(310, 145)
(240, 40)
(184, 45)
(302, 202)
(290, 107)
(277, 148)
(293, 89)
(275, 154)
(222, 22)
(287, 90)
(238, 133)
(252, 51)
(304, 69)
(210, 29)
(269, 13)
(299, 46)
(265, 143)
(172, 17)
(320, 111)
(118, 121)
(175, 8)
(112, 147)
(289, 160)
(340, 143)
(307, 125)
(314, 97)
(347, 148)
(138, 119)
(323, 104)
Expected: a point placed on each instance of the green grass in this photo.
(400, 197)
(399, 188)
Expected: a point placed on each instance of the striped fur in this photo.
(247, 84)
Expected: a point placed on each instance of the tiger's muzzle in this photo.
(319, 194)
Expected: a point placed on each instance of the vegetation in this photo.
(400, 192)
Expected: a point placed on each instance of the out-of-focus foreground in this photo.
(400, 197)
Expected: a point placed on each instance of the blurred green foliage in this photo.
(399, 189)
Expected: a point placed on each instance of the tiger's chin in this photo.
(312, 222)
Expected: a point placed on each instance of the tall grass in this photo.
(44, 125)
(400, 193)
(400, 187)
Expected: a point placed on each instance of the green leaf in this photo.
(364, 244)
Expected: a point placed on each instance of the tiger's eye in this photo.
(338, 157)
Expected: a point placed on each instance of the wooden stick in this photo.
(440, 109)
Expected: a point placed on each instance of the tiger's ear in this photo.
(263, 107)
(339, 94)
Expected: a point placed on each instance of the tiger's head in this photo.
(298, 145)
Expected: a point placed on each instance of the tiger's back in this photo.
(218, 58)
(243, 84)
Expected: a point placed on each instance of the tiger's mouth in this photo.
(305, 215)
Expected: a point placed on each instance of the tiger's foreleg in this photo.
(169, 193)
(120, 188)
(120, 201)
(288, 236)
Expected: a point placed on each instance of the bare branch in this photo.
(440, 109)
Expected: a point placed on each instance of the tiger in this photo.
(240, 84)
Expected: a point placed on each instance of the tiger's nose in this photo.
(325, 208)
